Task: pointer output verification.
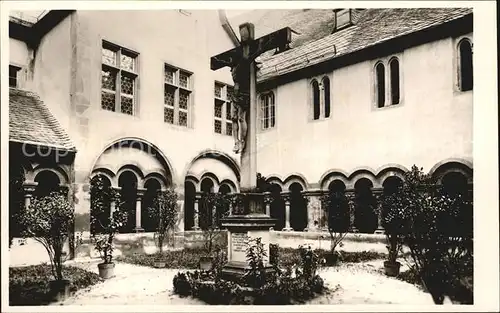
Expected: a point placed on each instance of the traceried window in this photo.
(465, 72)
(118, 79)
(268, 110)
(320, 98)
(223, 110)
(177, 96)
(13, 79)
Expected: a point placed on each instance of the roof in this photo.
(30, 121)
(316, 43)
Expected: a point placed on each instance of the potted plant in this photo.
(336, 206)
(218, 204)
(49, 221)
(164, 210)
(394, 219)
(105, 223)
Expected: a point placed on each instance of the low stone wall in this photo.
(30, 252)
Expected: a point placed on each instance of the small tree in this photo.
(337, 209)
(394, 217)
(164, 211)
(103, 223)
(220, 204)
(49, 221)
(440, 257)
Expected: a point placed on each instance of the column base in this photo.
(380, 231)
(196, 228)
(139, 230)
(287, 229)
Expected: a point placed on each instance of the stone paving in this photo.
(361, 283)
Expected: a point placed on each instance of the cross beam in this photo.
(278, 39)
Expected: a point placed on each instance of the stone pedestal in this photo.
(249, 222)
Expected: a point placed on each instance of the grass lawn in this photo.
(189, 258)
(29, 285)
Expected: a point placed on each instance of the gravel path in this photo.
(361, 283)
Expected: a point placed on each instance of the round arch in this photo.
(363, 172)
(296, 178)
(390, 170)
(141, 143)
(217, 155)
(444, 167)
(331, 175)
(57, 170)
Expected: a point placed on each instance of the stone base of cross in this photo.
(249, 218)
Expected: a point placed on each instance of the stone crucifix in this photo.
(241, 60)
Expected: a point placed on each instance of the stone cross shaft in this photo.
(241, 60)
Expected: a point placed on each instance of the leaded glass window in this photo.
(223, 111)
(118, 69)
(177, 96)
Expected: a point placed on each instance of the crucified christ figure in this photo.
(240, 102)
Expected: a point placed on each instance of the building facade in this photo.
(357, 99)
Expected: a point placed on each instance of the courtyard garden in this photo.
(427, 261)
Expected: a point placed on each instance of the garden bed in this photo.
(189, 258)
(284, 290)
(29, 285)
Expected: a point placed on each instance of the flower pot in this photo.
(206, 263)
(332, 259)
(106, 270)
(159, 263)
(392, 268)
(59, 289)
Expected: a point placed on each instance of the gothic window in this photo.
(177, 96)
(380, 84)
(315, 99)
(118, 79)
(326, 91)
(465, 73)
(223, 111)
(394, 68)
(268, 110)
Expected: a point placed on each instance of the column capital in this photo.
(286, 196)
(268, 198)
(140, 192)
(29, 188)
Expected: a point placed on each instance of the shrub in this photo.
(442, 255)
(29, 285)
(49, 221)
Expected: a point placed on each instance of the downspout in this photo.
(227, 27)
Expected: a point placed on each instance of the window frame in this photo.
(17, 68)
(320, 79)
(262, 117)
(178, 88)
(458, 61)
(386, 62)
(225, 102)
(117, 70)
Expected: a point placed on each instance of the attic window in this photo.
(343, 18)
